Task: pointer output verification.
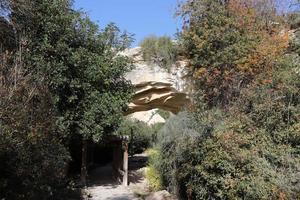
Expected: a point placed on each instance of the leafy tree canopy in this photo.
(61, 76)
(229, 43)
(79, 63)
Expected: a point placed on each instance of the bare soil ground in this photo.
(103, 187)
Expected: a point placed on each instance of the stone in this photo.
(161, 195)
(156, 88)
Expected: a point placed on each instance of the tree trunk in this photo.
(83, 162)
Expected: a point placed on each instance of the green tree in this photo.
(79, 63)
(245, 143)
(228, 43)
(141, 135)
(32, 156)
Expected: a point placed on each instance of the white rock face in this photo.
(156, 87)
(145, 72)
(150, 117)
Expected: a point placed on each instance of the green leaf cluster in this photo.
(81, 66)
(62, 77)
(141, 135)
(242, 140)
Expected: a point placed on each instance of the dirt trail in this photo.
(111, 192)
(103, 187)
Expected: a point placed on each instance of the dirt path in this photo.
(103, 187)
(111, 192)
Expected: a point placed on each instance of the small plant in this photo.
(152, 174)
(164, 114)
(159, 50)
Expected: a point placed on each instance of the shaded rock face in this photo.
(156, 87)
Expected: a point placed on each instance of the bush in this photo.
(32, 168)
(164, 114)
(178, 144)
(293, 20)
(152, 174)
(242, 141)
(203, 157)
(228, 44)
(159, 50)
(141, 135)
(32, 155)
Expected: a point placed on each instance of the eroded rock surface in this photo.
(156, 87)
(150, 95)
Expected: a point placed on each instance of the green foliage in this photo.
(213, 156)
(250, 151)
(178, 144)
(63, 78)
(152, 174)
(164, 114)
(293, 20)
(141, 134)
(33, 167)
(32, 156)
(80, 65)
(159, 50)
(227, 43)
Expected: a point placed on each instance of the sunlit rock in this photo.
(156, 87)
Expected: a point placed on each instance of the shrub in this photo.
(294, 20)
(159, 50)
(141, 135)
(241, 142)
(32, 168)
(32, 155)
(203, 157)
(164, 114)
(228, 43)
(178, 145)
(152, 174)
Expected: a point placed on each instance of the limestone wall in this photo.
(156, 87)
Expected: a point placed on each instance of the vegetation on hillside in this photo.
(161, 51)
(241, 140)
